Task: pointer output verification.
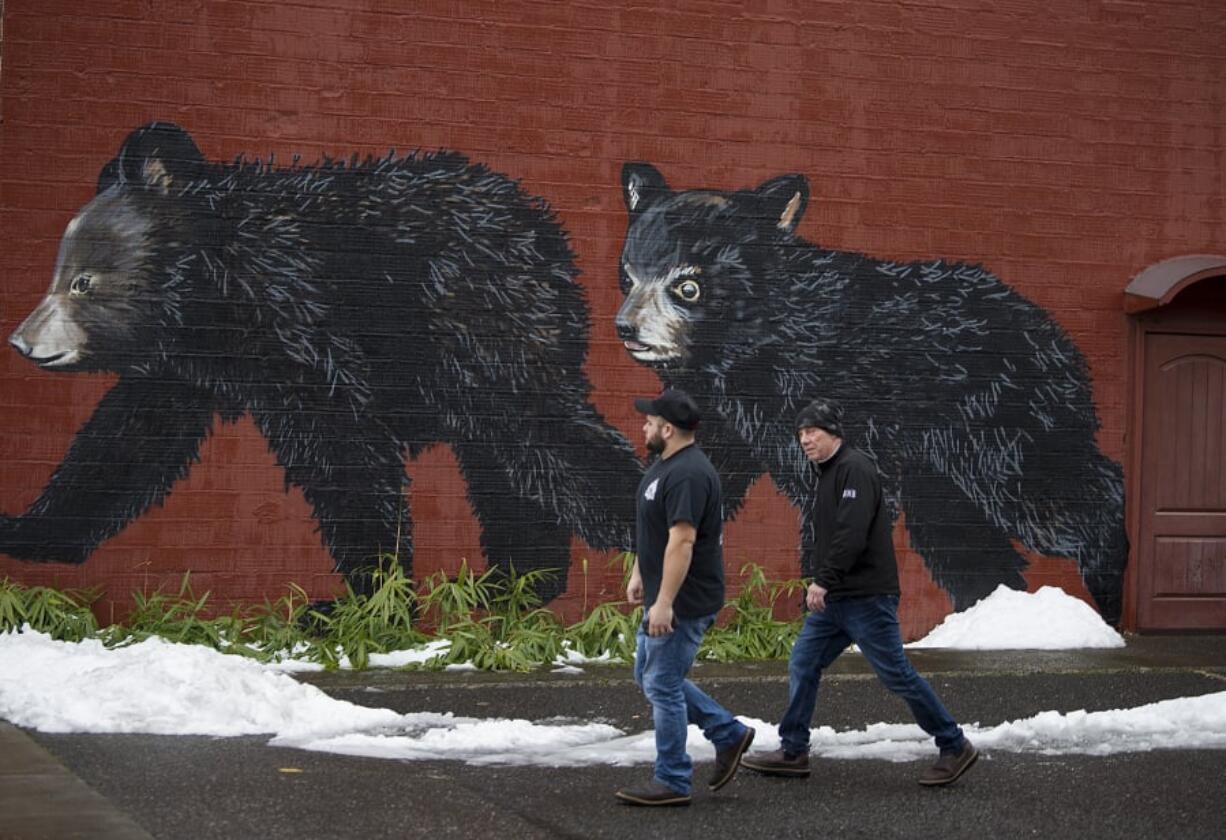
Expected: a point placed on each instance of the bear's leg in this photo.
(563, 456)
(518, 531)
(586, 472)
(1074, 507)
(1104, 554)
(967, 556)
(352, 474)
(142, 437)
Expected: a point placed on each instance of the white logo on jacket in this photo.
(849, 493)
(650, 492)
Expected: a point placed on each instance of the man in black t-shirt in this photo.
(679, 579)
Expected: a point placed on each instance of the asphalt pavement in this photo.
(106, 787)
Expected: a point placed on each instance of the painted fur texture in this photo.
(974, 403)
(359, 312)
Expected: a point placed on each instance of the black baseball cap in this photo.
(821, 414)
(677, 407)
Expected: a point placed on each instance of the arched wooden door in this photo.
(1180, 551)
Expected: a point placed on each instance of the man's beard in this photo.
(655, 444)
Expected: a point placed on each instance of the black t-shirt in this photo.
(682, 488)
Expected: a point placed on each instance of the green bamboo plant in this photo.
(493, 620)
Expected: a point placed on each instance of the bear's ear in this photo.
(109, 176)
(783, 200)
(642, 186)
(158, 156)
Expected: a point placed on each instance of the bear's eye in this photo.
(687, 290)
(627, 279)
(81, 284)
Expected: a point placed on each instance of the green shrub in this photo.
(358, 625)
(608, 628)
(752, 631)
(63, 615)
(493, 620)
(181, 617)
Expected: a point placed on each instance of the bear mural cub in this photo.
(974, 403)
(359, 312)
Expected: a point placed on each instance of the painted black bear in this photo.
(974, 403)
(359, 312)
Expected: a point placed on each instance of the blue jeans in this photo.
(661, 664)
(872, 623)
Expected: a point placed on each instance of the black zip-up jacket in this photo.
(853, 548)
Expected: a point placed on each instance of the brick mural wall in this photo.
(1004, 168)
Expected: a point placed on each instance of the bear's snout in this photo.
(19, 344)
(49, 337)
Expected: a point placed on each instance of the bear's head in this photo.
(119, 276)
(695, 264)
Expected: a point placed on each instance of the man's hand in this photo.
(660, 619)
(815, 598)
(634, 589)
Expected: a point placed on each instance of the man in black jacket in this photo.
(853, 597)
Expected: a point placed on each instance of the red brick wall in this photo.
(1065, 145)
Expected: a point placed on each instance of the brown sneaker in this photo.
(727, 760)
(778, 763)
(949, 766)
(652, 793)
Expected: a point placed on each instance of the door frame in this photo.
(1144, 324)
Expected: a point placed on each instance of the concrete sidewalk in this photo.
(65, 786)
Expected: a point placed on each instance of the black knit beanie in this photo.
(821, 414)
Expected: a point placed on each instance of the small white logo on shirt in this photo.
(650, 492)
(849, 493)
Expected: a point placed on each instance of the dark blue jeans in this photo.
(872, 623)
(661, 664)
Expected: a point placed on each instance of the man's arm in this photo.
(634, 589)
(677, 556)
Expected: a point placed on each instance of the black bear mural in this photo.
(974, 403)
(359, 312)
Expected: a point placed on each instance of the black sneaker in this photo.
(778, 763)
(652, 793)
(727, 760)
(950, 765)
